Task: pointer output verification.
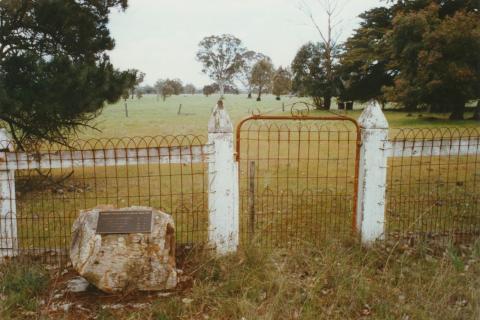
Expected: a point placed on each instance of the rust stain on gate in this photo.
(298, 177)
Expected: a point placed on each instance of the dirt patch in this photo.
(59, 302)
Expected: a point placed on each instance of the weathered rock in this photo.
(77, 284)
(115, 262)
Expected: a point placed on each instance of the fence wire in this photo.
(168, 173)
(434, 185)
(297, 179)
(298, 182)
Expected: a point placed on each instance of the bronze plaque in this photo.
(124, 222)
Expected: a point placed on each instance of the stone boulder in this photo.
(115, 262)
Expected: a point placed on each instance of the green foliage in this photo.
(262, 74)
(437, 58)
(55, 75)
(417, 53)
(456, 260)
(310, 76)
(20, 284)
(282, 82)
(167, 91)
(222, 58)
(364, 63)
(250, 58)
(176, 84)
(169, 87)
(209, 90)
(139, 77)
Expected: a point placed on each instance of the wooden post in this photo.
(179, 109)
(283, 106)
(223, 197)
(126, 109)
(251, 197)
(8, 209)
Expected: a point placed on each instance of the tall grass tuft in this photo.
(334, 281)
(20, 285)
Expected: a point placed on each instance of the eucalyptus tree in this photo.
(222, 58)
(250, 58)
(310, 75)
(262, 75)
(282, 82)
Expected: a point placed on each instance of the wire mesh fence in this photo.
(434, 185)
(298, 182)
(53, 185)
(297, 179)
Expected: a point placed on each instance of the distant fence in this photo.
(297, 182)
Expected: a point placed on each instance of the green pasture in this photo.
(150, 116)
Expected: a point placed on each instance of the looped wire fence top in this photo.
(54, 184)
(300, 109)
(434, 184)
(298, 182)
(298, 177)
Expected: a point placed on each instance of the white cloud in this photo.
(160, 37)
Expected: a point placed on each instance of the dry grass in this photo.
(334, 281)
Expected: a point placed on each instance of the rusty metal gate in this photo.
(298, 177)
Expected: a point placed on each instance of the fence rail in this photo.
(297, 182)
(106, 157)
(43, 192)
(428, 148)
(434, 184)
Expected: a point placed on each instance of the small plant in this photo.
(20, 284)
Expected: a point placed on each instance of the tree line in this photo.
(414, 54)
(226, 61)
(56, 74)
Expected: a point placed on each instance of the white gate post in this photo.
(8, 211)
(223, 198)
(372, 180)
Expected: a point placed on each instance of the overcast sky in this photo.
(160, 37)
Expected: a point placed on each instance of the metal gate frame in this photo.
(303, 115)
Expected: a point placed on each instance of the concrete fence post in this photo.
(8, 210)
(372, 180)
(223, 197)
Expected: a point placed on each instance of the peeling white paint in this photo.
(8, 209)
(223, 197)
(372, 178)
(109, 157)
(428, 148)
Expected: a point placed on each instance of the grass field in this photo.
(149, 117)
